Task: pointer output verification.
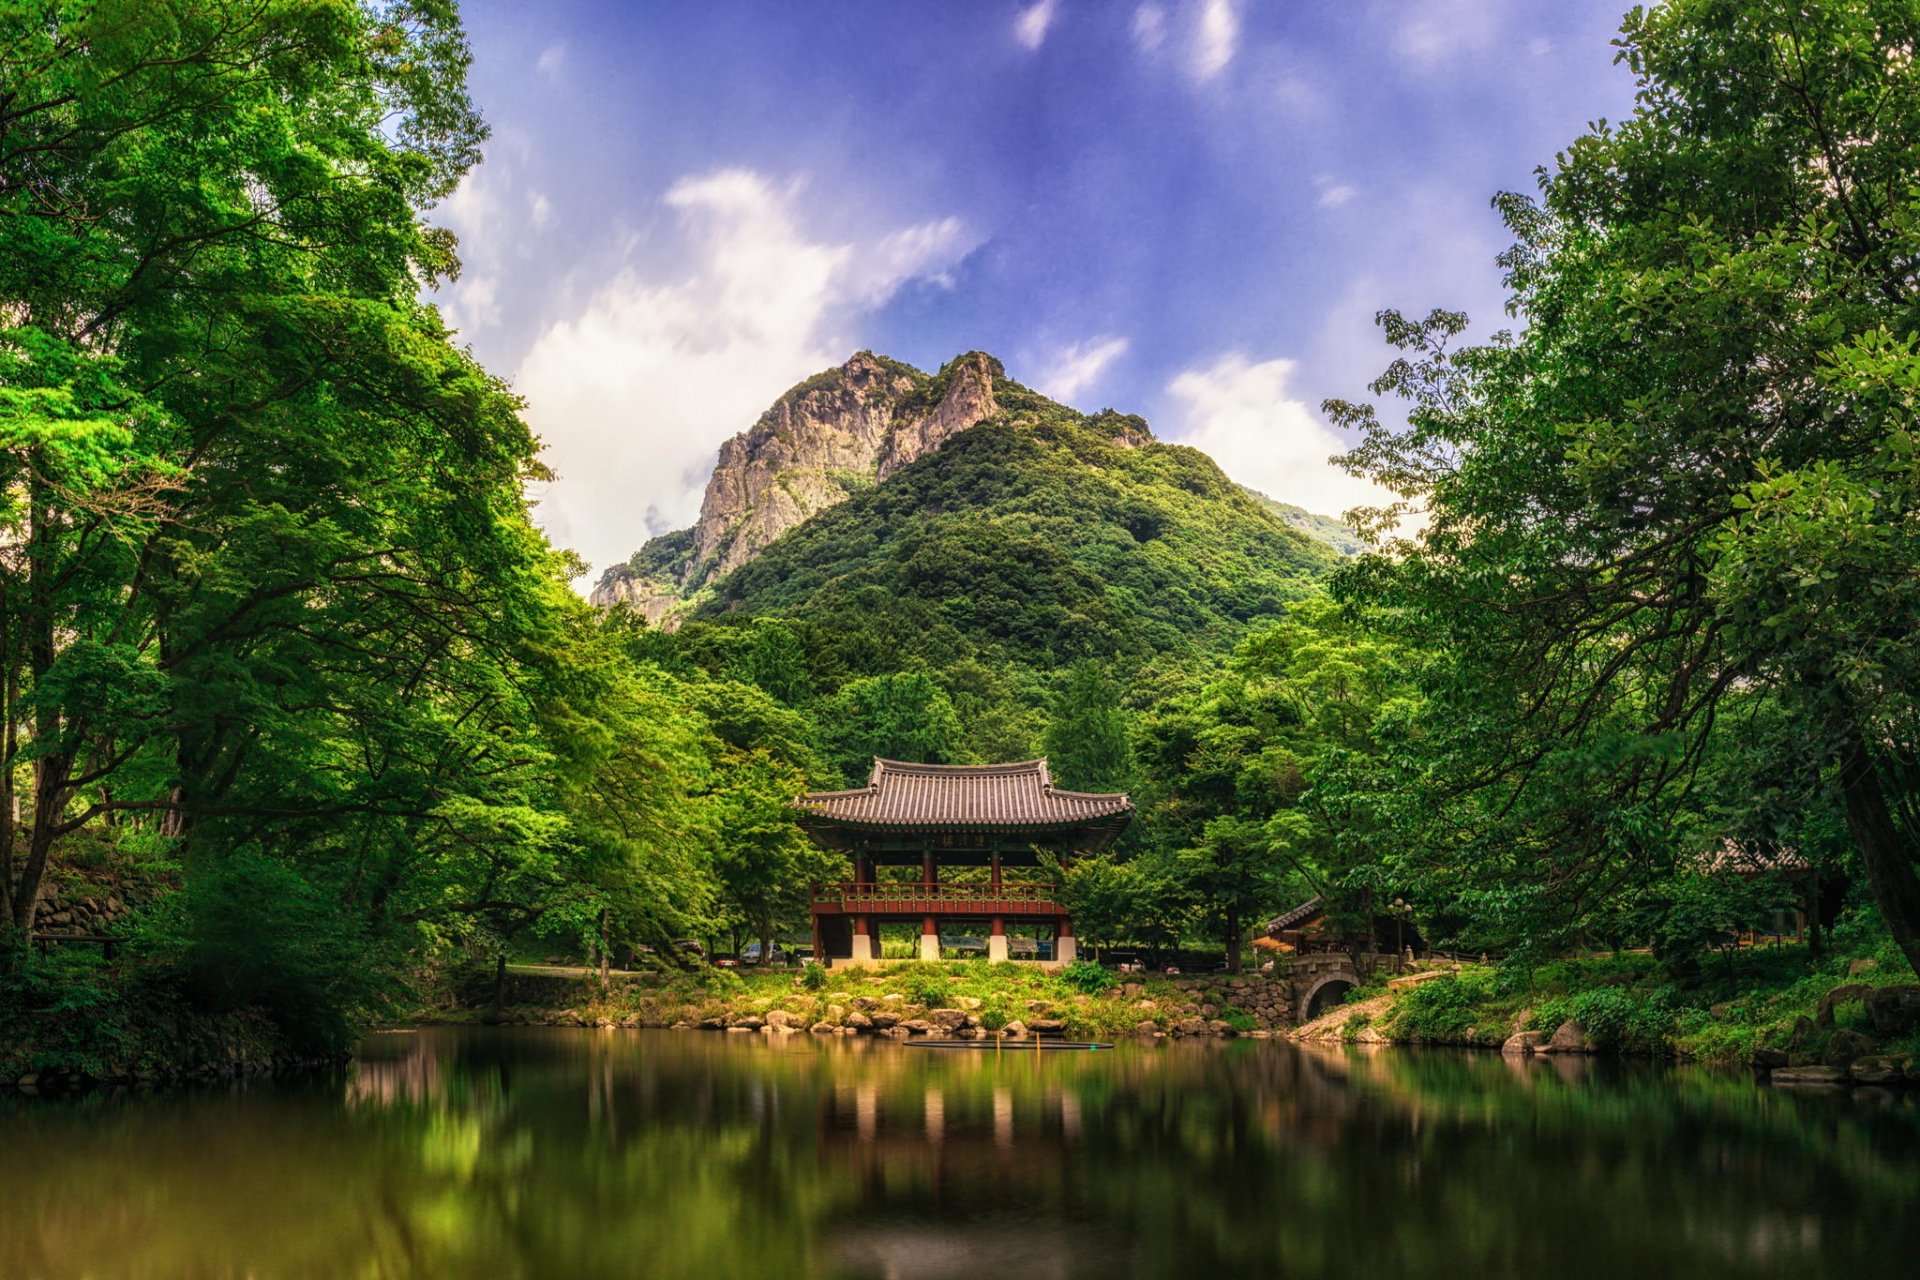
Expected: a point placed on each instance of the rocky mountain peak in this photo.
(840, 431)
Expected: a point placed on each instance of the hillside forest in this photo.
(287, 663)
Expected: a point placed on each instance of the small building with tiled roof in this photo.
(931, 842)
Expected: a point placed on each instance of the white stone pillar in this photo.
(1066, 949)
(997, 947)
(862, 949)
(929, 946)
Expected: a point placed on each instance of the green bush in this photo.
(993, 1018)
(1239, 1019)
(1443, 1009)
(1088, 978)
(814, 976)
(926, 985)
(1605, 1012)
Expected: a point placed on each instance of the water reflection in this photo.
(548, 1153)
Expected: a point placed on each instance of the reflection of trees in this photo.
(557, 1152)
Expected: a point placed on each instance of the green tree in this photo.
(898, 717)
(1692, 474)
(1088, 747)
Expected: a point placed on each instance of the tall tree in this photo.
(1088, 747)
(1693, 472)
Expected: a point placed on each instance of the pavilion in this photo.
(930, 843)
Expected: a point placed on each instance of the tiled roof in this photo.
(1749, 859)
(977, 796)
(1295, 918)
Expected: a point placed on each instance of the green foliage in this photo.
(814, 976)
(927, 984)
(1088, 978)
(1443, 1009)
(1088, 746)
(1239, 1019)
(896, 717)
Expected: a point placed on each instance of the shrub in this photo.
(1442, 1009)
(1606, 1013)
(1239, 1019)
(993, 1018)
(1088, 978)
(926, 985)
(814, 976)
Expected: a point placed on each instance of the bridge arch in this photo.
(1326, 993)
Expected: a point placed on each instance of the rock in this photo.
(1863, 965)
(1145, 1028)
(859, 1021)
(822, 1028)
(1770, 1059)
(865, 1003)
(1808, 1075)
(836, 1012)
(1015, 1030)
(884, 1019)
(1894, 1010)
(779, 1018)
(1522, 1043)
(893, 997)
(1219, 1027)
(947, 1019)
(1877, 1069)
(1146, 1004)
(866, 419)
(1803, 1034)
(713, 1024)
(969, 1002)
(1047, 1027)
(1569, 1037)
(1131, 990)
(918, 1026)
(1843, 1046)
(1190, 1027)
(1844, 994)
(748, 1022)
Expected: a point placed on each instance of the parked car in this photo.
(750, 954)
(726, 962)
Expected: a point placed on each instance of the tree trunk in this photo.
(1233, 940)
(766, 941)
(1887, 857)
(499, 984)
(606, 952)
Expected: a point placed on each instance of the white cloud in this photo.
(539, 209)
(1207, 40)
(1448, 30)
(1242, 415)
(482, 212)
(1216, 36)
(1030, 27)
(1077, 366)
(1149, 27)
(634, 393)
(551, 59)
(1333, 194)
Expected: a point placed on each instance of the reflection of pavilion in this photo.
(923, 817)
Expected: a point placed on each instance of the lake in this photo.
(547, 1153)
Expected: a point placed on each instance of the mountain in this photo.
(1118, 523)
(1337, 534)
(905, 520)
(835, 434)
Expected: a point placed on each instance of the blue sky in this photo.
(1189, 209)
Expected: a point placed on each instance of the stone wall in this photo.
(1266, 997)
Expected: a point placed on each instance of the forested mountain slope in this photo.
(1038, 536)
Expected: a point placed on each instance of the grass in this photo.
(1732, 1004)
(997, 993)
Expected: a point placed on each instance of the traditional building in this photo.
(933, 843)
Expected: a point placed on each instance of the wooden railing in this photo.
(1013, 896)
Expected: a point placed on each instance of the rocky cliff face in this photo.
(837, 432)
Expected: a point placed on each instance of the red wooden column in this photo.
(994, 865)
